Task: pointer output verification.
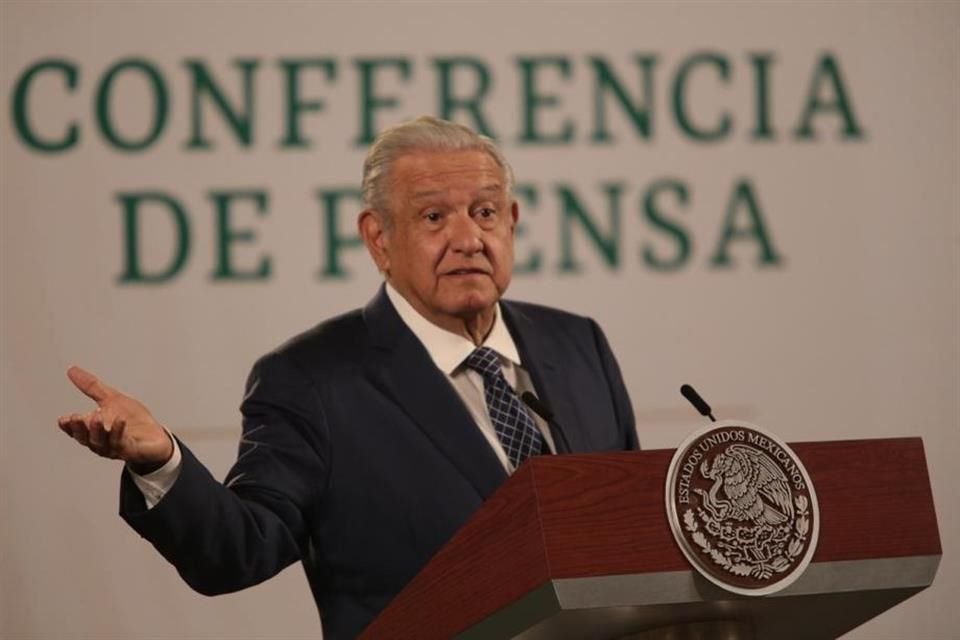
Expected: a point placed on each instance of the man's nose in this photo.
(465, 234)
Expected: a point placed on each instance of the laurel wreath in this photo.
(759, 570)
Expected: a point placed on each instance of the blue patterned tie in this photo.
(514, 426)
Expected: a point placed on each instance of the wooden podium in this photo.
(579, 546)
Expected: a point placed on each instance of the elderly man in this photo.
(371, 438)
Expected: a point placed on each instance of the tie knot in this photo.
(484, 361)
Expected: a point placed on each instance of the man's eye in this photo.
(485, 212)
(433, 216)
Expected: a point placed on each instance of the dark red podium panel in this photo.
(579, 546)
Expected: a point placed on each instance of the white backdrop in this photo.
(852, 333)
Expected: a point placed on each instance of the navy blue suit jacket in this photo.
(359, 459)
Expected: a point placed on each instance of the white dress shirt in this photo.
(448, 351)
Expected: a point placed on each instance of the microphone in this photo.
(698, 403)
(542, 410)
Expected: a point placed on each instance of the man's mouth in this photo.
(466, 272)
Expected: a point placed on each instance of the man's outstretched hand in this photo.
(120, 427)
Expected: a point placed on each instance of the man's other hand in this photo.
(120, 426)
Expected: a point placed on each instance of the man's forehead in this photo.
(490, 190)
(423, 170)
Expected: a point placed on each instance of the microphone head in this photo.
(538, 407)
(694, 398)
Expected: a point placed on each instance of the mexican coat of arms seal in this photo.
(742, 508)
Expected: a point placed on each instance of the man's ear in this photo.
(515, 213)
(374, 234)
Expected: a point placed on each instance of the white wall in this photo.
(853, 334)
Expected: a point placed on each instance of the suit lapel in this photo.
(540, 353)
(401, 368)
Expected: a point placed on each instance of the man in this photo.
(370, 439)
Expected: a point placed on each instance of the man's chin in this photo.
(473, 303)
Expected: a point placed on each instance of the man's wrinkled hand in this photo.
(119, 427)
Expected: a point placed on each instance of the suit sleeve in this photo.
(225, 537)
(621, 399)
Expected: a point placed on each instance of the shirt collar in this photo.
(449, 350)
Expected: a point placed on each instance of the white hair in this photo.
(425, 133)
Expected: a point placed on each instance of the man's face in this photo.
(449, 246)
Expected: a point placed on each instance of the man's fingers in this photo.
(76, 427)
(89, 384)
(116, 434)
(107, 417)
(98, 435)
(95, 432)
